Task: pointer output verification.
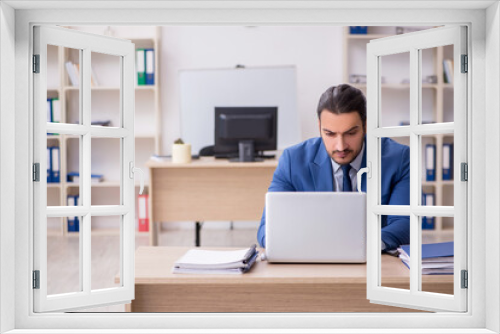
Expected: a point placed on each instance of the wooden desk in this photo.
(266, 287)
(207, 189)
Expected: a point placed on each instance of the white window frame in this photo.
(86, 44)
(413, 44)
(483, 103)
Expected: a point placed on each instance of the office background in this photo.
(321, 56)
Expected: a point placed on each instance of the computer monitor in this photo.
(244, 132)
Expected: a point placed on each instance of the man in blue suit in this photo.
(331, 162)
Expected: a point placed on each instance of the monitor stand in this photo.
(246, 152)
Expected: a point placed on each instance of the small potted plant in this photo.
(181, 152)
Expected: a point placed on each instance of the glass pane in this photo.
(437, 257)
(437, 85)
(395, 171)
(106, 86)
(437, 170)
(63, 260)
(54, 113)
(72, 61)
(429, 80)
(53, 74)
(106, 171)
(448, 74)
(73, 144)
(106, 252)
(395, 94)
(395, 272)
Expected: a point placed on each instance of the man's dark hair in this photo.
(343, 99)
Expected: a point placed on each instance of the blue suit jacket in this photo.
(308, 167)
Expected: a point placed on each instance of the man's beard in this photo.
(347, 152)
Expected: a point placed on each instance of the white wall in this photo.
(7, 159)
(492, 186)
(315, 51)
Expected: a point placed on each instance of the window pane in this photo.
(395, 272)
(106, 87)
(72, 74)
(54, 111)
(73, 178)
(437, 170)
(437, 271)
(63, 260)
(395, 93)
(106, 252)
(395, 171)
(437, 85)
(106, 171)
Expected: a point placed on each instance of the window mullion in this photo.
(415, 237)
(85, 162)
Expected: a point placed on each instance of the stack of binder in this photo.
(430, 162)
(437, 259)
(145, 66)
(53, 165)
(197, 261)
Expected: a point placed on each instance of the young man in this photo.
(331, 163)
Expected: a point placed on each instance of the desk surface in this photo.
(148, 271)
(209, 162)
(265, 288)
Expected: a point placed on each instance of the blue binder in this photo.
(428, 223)
(73, 222)
(49, 165)
(430, 162)
(49, 110)
(150, 66)
(55, 164)
(358, 30)
(447, 161)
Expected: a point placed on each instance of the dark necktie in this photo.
(347, 186)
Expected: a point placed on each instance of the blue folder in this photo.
(150, 66)
(428, 223)
(433, 250)
(447, 161)
(430, 162)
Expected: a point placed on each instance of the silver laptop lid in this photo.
(316, 227)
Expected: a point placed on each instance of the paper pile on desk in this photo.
(437, 259)
(197, 261)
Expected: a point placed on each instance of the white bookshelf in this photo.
(440, 110)
(105, 97)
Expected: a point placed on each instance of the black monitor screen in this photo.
(235, 124)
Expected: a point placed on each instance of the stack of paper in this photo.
(197, 261)
(437, 259)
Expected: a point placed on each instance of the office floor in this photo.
(63, 255)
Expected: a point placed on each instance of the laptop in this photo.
(315, 227)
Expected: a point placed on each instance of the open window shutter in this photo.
(83, 46)
(415, 44)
